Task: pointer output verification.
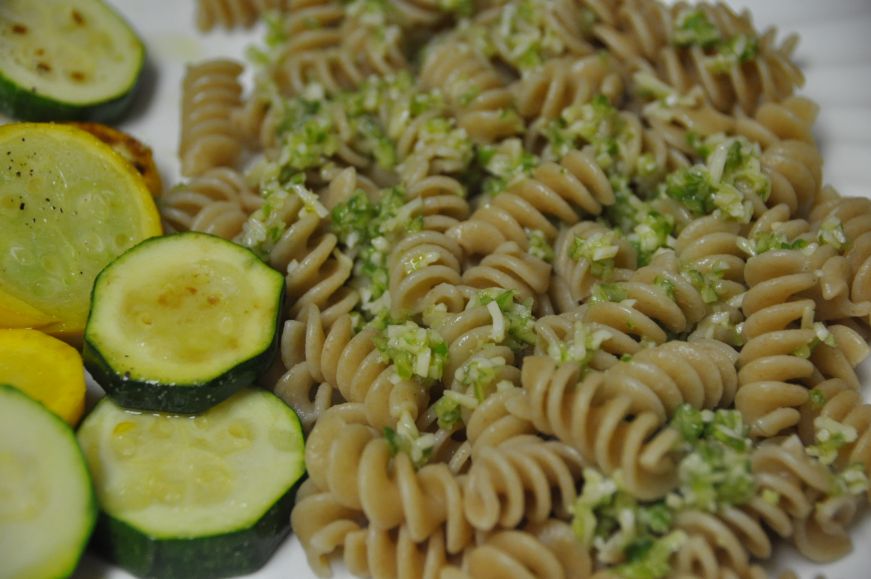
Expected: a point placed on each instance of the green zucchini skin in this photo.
(91, 507)
(187, 398)
(23, 104)
(237, 553)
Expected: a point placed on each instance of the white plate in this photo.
(835, 53)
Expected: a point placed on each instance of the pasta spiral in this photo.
(845, 405)
(547, 91)
(770, 76)
(518, 480)
(655, 300)
(562, 190)
(217, 202)
(567, 296)
(775, 370)
(546, 551)
(354, 462)
(211, 92)
(562, 405)
(852, 215)
(234, 13)
(509, 267)
(474, 89)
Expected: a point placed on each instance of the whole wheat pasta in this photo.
(568, 294)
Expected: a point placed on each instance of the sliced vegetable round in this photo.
(47, 503)
(45, 368)
(203, 496)
(67, 59)
(181, 322)
(134, 151)
(68, 206)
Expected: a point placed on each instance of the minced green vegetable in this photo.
(599, 250)
(636, 538)
(716, 469)
(414, 351)
(518, 319)
(369, 229)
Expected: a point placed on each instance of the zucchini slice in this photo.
(47, 503)
(67, 60)
(202, 496)
(181, 322)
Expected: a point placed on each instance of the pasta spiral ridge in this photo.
(524, 478)
(781, 307)
(845, 405)
(234, 13)
(636, 31)
(316, 270)
(351, 363)
(211, 93)
(575, 275)
(322, 524)
(510, 268)
(442, 201)
(795, 170)
(478, 94)
(709, 244)
(729, 538)
(329, 47)
(348, 457)
(393, 554)
(565, 190)
(545, 92)
(658, 301)
(546, 551)
(499, 417)
(853, 215)
(218, 201)
(410, 283)
(790, 119)
(567, 407)
(770, 76)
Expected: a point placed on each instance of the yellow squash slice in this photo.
(68, 206)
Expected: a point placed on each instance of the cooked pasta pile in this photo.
(568, 294)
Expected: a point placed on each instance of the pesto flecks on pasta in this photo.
(568, 294)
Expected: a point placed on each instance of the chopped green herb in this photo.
(693, 188)
(716, 470)
(517, 319)
(817, 398)
(408, 440)
(448, 412)
(651, 558)
(580, 347)
(692, 27)
(831, 232)
(538, 245)
(732, 52)
(769, 241)
(413, 350)
(608, 292)
(599, 250)
(853, 480)
(831, 436)
(478, 373)
(666, 284)
(504, 163)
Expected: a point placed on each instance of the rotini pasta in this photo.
(568, 295)
(211, 93)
